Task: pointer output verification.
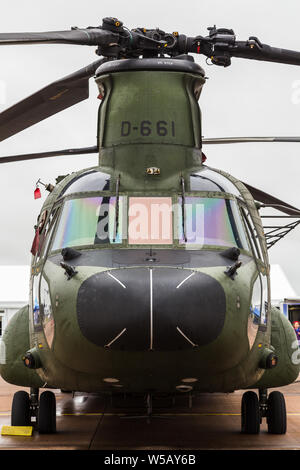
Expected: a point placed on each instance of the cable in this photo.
(98, 425)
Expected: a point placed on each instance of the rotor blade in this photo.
(85, 37)
(269, 200)
(55, 153)
(253, 49)
(50, 100)
(241, 140)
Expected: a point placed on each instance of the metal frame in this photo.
(277, 232)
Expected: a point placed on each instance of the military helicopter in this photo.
(150, 270)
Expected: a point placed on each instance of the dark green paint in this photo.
(162, 106)
(16, 342)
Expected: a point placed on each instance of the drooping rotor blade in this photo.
(111, 38)
(242, 140)
(54, 153)
(253, 49)
(272, 201)
(50, 100)
(85, 37)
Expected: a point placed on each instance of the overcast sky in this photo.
(249, 98)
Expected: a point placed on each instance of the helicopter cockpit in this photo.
(207, 215)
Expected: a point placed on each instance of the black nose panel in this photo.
(111, 301)
(138, 309)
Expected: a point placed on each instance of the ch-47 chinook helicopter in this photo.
(150, 271)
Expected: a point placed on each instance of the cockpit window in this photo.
(252, 234)
(210, 221)
(150, 220)
(210, 180)
(90, 181)
(89, 221)
(45, 236)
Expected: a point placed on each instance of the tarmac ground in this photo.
(208, 421)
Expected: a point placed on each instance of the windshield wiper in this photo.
(116, 224)
(183, 208)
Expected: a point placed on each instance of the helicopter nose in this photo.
(138, 309)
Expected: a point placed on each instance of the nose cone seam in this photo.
(139, 309)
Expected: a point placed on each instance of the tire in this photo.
(276, 414)
(20, 411)
(250, 413)
(47, 413)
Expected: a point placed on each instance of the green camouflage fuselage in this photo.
(161, 317)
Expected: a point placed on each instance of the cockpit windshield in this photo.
(210, 221)
(133, 221)
(88, 221)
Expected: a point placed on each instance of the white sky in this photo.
(14, 282)
(249, 98)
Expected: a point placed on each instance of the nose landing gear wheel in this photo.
(276, 413)
(250, 413)
(20, 411)
(47, 413)
(25, 406)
